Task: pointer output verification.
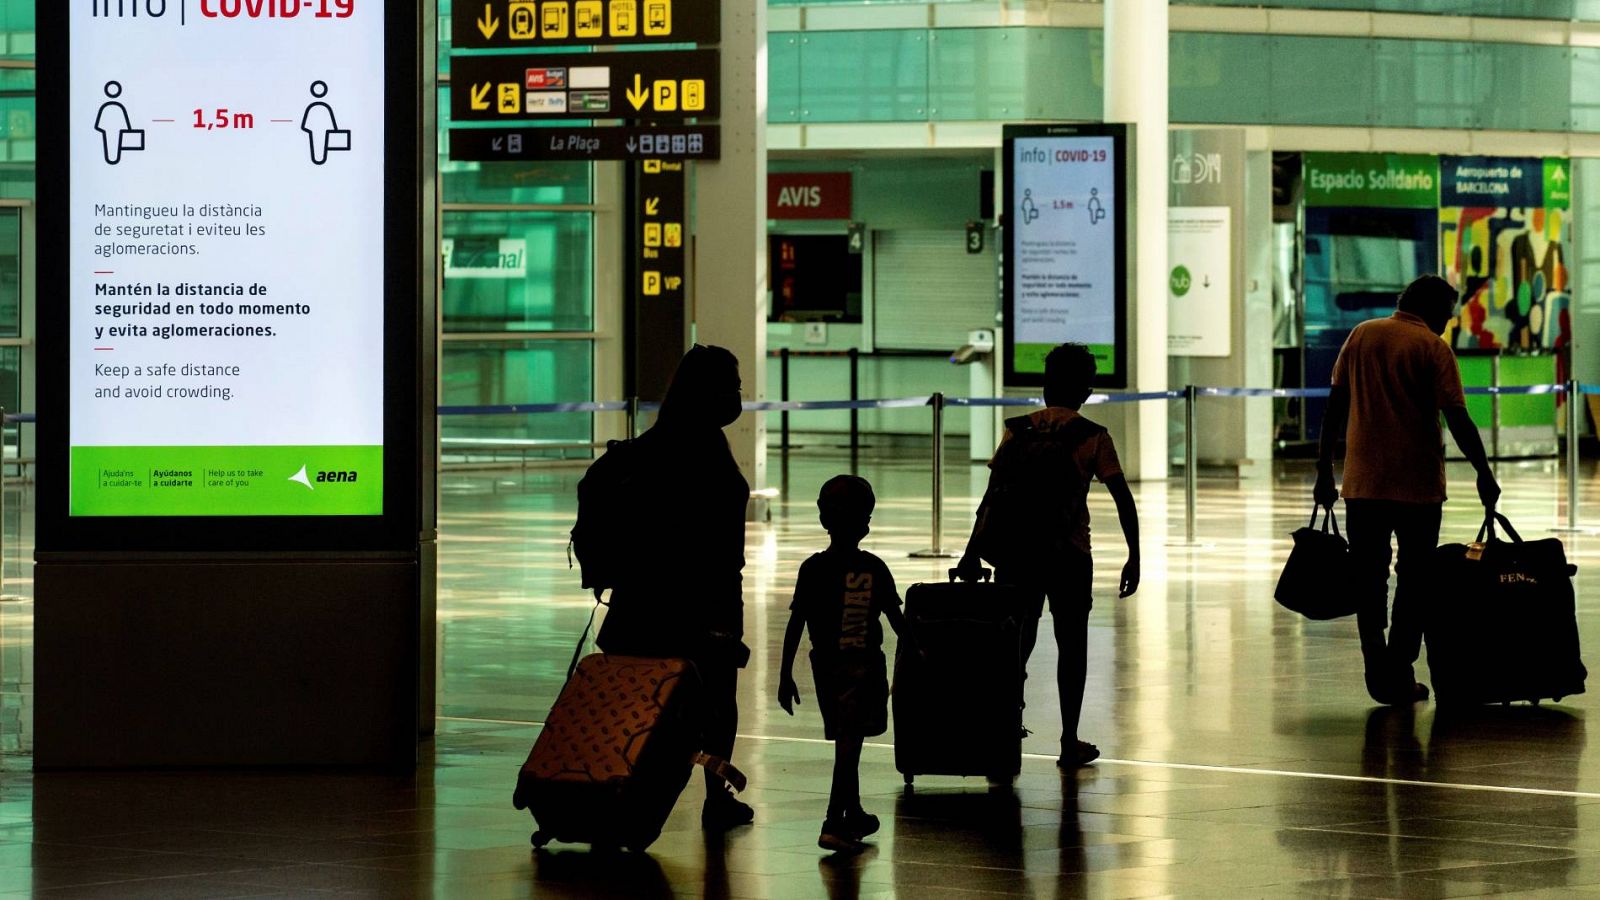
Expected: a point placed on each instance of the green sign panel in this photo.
(1393, 180)
(1558, 184)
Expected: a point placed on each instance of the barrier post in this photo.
(855, 395)
(633, 417)
(1191, 462)
(937, 551)
(783, 381)
(1574, 426)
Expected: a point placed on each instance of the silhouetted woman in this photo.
(681, 595)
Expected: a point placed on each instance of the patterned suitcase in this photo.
(616, 752)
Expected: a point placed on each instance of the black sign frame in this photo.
(398, 529)
(1117, 378)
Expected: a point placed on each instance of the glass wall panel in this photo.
(1321, 81)
(1065, 67)
(492, 373)
(1521, 87)
(864, 76)
(1424, 84)
(10, 275)
(518, 271)
(783, 76)
(1219, 78)
(977, 73)
(1585, 109)
(1582, 10)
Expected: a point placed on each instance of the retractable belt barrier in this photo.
(939, 403)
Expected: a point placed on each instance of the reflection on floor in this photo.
(1242, 756)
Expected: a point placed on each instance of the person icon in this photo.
(321, 127)
(117, 134)
(1030, 210)
(1097, 210)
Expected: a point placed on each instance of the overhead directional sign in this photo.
(674, 142)
(530, 24)
(665, 85)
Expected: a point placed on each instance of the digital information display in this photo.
(226, 261)
(1065, 265)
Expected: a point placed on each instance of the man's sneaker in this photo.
(723, 811)
(861, 823)
(1405, 696)
(838, 836)
(1082, 754)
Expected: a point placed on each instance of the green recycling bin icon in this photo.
(1181, 281)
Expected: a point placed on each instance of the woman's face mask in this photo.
(731, 406)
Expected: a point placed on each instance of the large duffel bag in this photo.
(1500, 622)
(615, 753)
(958, 688)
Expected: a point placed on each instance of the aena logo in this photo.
(800, 196)
(310, 482)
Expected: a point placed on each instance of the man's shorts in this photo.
(852, 693)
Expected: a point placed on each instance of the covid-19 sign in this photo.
(1065, 262)
(226, 257)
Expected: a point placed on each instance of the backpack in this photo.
(602, 536)
(1037, 495)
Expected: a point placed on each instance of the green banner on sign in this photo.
(1558, 184)
(1030, 357)
(1391, 180)
(227, 481)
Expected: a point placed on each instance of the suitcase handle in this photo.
(955, 575)
(1505, 524)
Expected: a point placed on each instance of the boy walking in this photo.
(1033, 526)
(838, 598)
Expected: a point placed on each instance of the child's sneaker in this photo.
(861, 823)
(838, 836)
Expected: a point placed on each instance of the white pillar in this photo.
(1136, 93)
(730, 265)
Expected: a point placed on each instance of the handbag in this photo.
(1314, 580)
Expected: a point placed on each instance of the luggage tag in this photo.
(1475, 551)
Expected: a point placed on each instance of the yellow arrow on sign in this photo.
(487, 23)
(638, 95)
(652, 207)
(480, 96)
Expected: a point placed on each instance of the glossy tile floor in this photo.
(1242, 756)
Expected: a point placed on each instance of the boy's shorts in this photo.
(852, 693)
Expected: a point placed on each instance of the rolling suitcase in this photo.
(958, 694)
(615, 753)
(1500, 625)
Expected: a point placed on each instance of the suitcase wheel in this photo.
(540, 840)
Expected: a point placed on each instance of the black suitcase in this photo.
(958, 692)
(1500, 624)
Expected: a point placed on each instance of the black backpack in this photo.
(602, 535)
(1036, 494)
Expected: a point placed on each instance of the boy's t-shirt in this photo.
(842, 596)
(1095, 458)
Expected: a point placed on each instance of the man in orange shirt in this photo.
(1392, 381)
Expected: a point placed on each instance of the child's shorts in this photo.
(852, 693)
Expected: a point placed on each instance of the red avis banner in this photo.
(809, 195)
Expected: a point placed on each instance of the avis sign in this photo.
(809, 195)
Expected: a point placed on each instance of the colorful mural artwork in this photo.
(1503, 236)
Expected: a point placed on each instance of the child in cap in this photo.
(839, 597)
